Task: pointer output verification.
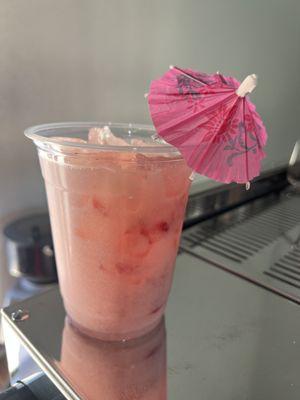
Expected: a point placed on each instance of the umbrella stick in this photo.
(186, 74)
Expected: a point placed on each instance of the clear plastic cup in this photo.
(116, 215)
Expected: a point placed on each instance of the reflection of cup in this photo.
(116, 215)
(130, 370)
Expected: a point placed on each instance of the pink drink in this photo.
(134, 370)
(116, 215)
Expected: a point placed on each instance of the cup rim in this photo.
(40, 134)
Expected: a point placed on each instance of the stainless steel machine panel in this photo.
(226, 339)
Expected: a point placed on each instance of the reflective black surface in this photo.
(205, 203)
(226, 339)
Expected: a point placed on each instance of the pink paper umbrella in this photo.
(211, 121)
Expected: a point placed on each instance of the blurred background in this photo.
(71, 60)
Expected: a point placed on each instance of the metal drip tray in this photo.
(258, 241)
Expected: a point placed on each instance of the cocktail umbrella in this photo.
(211, 121)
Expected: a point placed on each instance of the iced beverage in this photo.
(117, 198)
(134, 370)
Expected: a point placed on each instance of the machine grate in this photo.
(287, 268)
(257, 241)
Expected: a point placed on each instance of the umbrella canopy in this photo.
(211, 121)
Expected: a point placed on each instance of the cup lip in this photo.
(38, 134)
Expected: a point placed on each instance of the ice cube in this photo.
(104, 136)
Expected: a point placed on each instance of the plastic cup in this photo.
(116, 215)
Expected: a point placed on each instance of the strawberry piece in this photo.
(126, 268)
(98, 205)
